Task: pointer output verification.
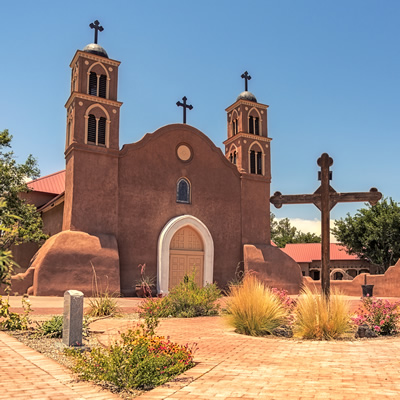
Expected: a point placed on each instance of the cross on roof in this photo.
(185, 106)
(96, 26)
(325, 198)
(246, 78)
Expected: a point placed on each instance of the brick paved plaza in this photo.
(229, 366)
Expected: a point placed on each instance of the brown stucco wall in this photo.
(65, 262)
(91, 190)
(148, 173)
(53, 219)
(385, 285)
(273, 267)
(38, 199)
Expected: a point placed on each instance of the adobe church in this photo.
(172, 200)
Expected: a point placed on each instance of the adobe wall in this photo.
(274, 267)
(386, 285)
(65, 262)
(38, 199)
(148, 174)
(53, 219)
(91, 190)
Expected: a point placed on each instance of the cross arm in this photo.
(373, 196)
(278, 199)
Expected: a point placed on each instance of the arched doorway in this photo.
(164, 248)
(186, 256)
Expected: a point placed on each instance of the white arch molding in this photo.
(164, 242)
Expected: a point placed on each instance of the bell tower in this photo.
(248, 147)
(92, 141)
(248, 144)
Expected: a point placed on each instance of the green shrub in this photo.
(254, 309)
(12, 321)
(139, 361)
(51, 328)
(186, 300)
(317, 317)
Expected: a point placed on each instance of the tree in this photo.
(19, 221)
(373, 234)
(282, 233)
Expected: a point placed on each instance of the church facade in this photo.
(172, 200)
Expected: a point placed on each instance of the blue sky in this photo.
(329, 70)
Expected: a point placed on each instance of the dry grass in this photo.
(253, 309)
(316, 317)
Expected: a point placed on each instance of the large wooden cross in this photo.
(96, 26)
(325, 198)
(185, 106)
(246, 78)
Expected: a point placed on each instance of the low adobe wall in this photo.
(65, 262)
(273, 267)
(386, 285)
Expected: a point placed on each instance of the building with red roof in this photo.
(343, 265)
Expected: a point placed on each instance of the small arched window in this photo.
(183, 191)
(97, 85)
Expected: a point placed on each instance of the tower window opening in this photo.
(91, 135)
(101, 138)
(251, 124)
(103, 86)
(93, 84)
(183, 191)
(256, 162)
(235, 127)
(96, 133)
(232, 157)
(259, 163)
(252, 162)
(256, 126)
(97, 85)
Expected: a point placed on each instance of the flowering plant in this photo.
(380, 315)
(139, 360)
(287, 302)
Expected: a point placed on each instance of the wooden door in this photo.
(186, 256)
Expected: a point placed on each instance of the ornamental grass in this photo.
(254, 309)
(317, 317)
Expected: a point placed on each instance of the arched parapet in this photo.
(164, 243)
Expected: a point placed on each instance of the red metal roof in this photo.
(53, 183)
(307, 252)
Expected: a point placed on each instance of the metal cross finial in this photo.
(246, 78)
(96, 26)
(185, 106)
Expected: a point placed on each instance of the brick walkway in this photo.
(26, 374)
(229, 366)
(233, 366)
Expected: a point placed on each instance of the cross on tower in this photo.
(246, 78)
(325, 198)
(96, 26)
(185, 106)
